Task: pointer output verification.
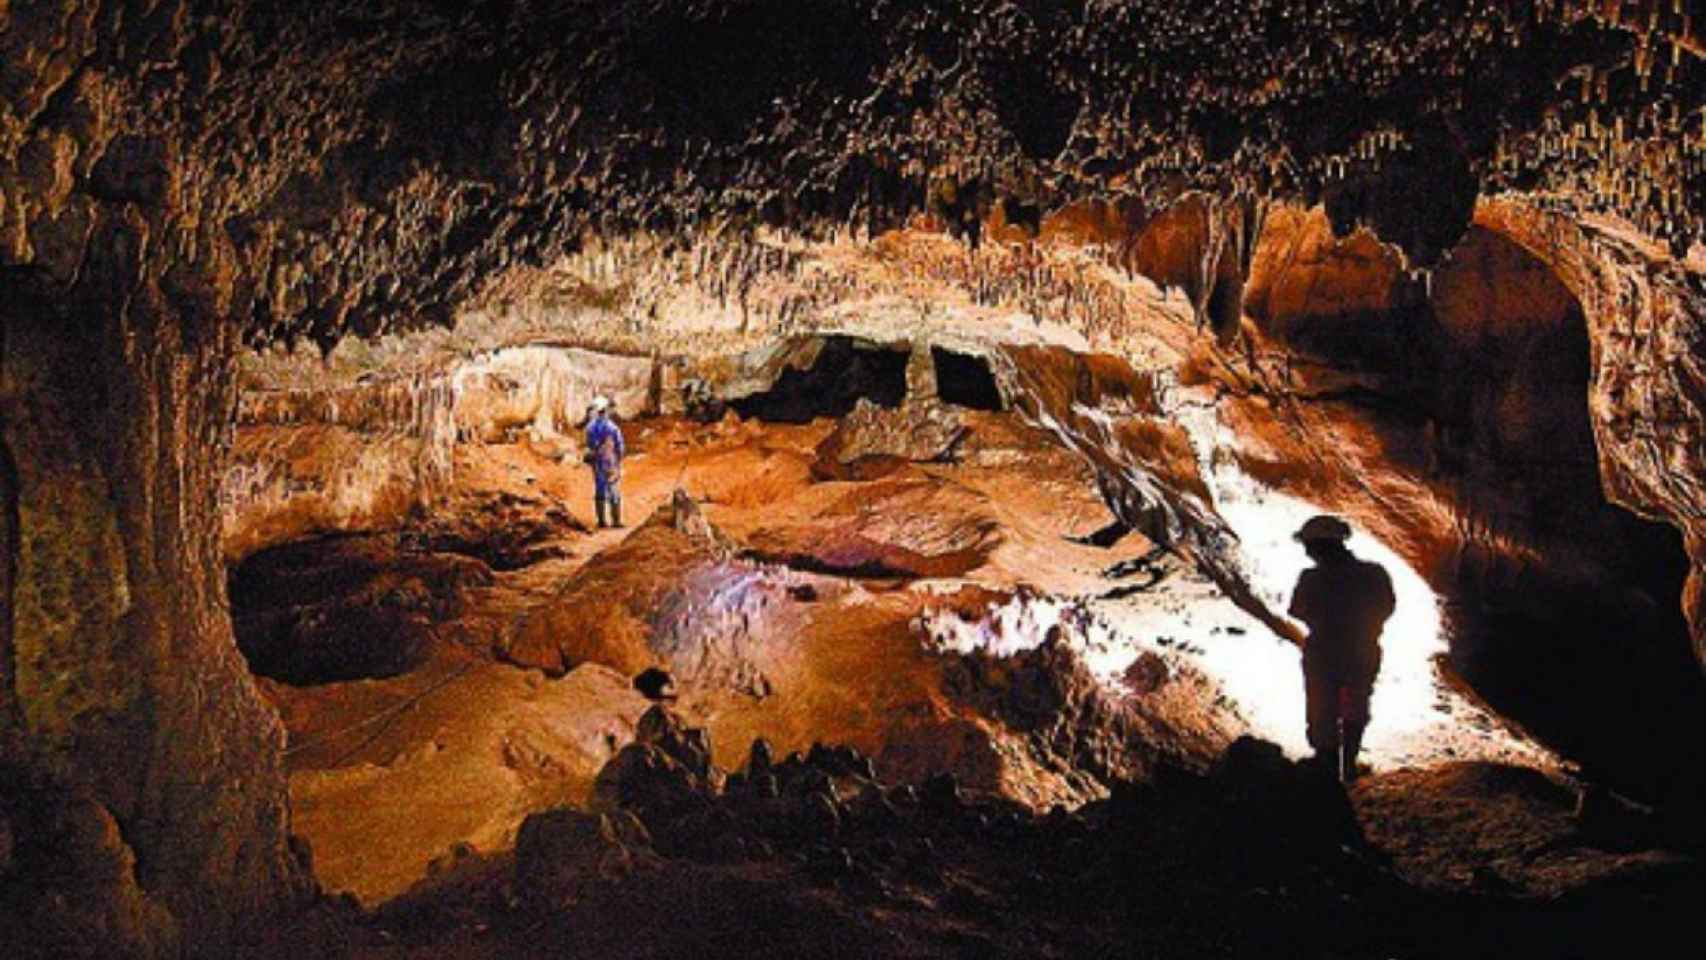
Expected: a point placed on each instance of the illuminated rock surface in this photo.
(1437, 267)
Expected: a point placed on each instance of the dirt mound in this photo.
(603, 613)
(670, 593)
(905, 526)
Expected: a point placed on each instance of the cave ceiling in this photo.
(311, 169)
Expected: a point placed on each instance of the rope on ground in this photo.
(383, 717)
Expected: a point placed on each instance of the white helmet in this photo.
(600, 403)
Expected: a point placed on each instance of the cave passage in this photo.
(1604, 673)
(965, 380)
(843, 372)
(1582, 640)
(1460, 424)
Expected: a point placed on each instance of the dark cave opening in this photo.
(844, 371)
(1602, 672)
(1225, 305)
(965, 380)
(1565, 612)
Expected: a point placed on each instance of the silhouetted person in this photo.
(655, 684)
(1345, 602)
(604, 452)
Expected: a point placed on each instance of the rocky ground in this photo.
(488, 784)
(812, 855)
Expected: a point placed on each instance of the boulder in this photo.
(561, 854)
(916, 431)
(664, 778)
(689, 746)
(1304, 807)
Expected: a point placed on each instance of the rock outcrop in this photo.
(1466, 419)
(178, 178)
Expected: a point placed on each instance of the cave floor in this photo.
(805, 629)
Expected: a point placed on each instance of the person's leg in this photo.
(1321, 712)
(1355, 718)
(603, 492)
(615, 495)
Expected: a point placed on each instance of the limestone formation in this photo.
(179, 179)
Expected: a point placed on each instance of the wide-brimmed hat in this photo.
(1323, 527)
(601, 403)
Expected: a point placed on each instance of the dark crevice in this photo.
(1225, 304)
(843, 373)
(868, 569)
(9, 539)
(965, 380)
(1104, 537)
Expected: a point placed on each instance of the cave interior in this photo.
(976, 362)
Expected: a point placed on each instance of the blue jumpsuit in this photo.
(604, 440)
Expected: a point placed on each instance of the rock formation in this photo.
(179, 179)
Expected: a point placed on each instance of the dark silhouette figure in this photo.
(655, 684)
(1345, 602)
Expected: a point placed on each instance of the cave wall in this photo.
(1646, 316)
(363, 456)
(1451, 415)
(145, 780)
(1201, 244)
(178, 177)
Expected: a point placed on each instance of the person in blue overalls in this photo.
(604, 452)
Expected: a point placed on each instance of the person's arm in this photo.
(1301, 598)
(1388, 601)
(621, 449)
(1303, 602)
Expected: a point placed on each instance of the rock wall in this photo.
(1646, 315)
(1455, 416)
(143, 771)
(363, 457)
(546, 390)
(178, 176)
